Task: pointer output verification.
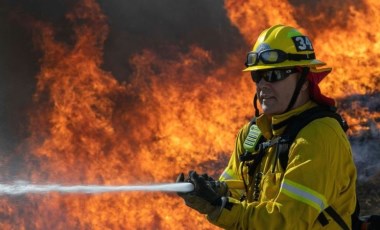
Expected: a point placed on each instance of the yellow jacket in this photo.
(320, 173)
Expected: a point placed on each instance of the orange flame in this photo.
(174, 115)
(88, 128)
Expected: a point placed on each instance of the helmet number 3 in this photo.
(302, 43)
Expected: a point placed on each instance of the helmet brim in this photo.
(311, 63)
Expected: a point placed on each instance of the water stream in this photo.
(19, 188)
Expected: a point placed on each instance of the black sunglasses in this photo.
(272, 75)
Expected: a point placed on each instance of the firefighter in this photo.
(317, 181)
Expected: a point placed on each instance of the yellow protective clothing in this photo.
(320, 173)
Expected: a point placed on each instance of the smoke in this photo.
(338, 12)
(161, 26)
(366, 159)
(366, 143)
(18, 67)
(164, 27)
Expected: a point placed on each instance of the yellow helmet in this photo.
(281, 46)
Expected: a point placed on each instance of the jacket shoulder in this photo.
(322, 137)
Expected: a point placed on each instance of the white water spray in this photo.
(20, 188)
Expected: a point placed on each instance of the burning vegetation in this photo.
(177, 110)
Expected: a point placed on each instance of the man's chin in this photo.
(268, 110)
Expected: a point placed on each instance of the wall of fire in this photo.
(116, 92)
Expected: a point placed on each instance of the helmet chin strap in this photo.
(297, 90)
(257, 113)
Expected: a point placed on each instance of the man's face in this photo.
(275, 97)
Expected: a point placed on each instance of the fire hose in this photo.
(19, 188)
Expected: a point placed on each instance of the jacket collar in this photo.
(276, 125)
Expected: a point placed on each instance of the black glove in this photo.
(220, 187)
(203, 188)
(203, 199)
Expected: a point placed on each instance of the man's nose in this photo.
(262, 83)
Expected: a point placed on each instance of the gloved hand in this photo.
(203, 199)
(220, 187)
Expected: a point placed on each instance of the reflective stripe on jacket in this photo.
(320, 172)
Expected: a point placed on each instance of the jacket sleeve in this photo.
(320, 173)
(232, 171)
